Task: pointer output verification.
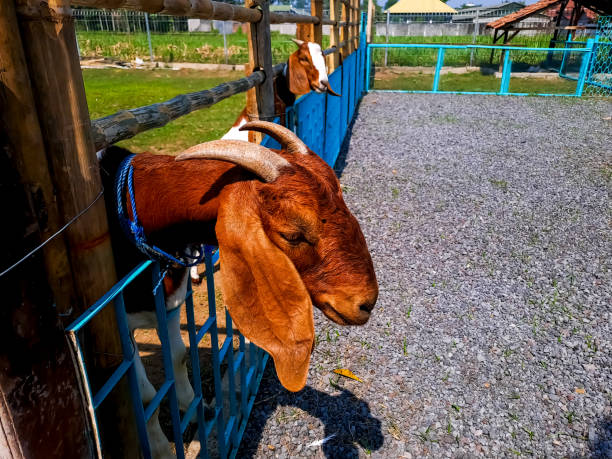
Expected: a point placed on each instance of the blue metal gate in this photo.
(228, 426)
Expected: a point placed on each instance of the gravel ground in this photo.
(488, 222)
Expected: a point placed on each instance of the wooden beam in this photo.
(125, 124)
(203, 9)
(370, 20)
(344, 36)
(49, 42)
(312, 32)
(41, 408)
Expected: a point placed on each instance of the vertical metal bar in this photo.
(162, 332)
(129, 350)
(584, 67)
(127, 21)
(367, 82)
(78, 48)
(195, 365)
(243, 383)
(387, 39)
(229, 335)
(505, 79)
(564, 58)
(439, 63)
(224, 41)
(214, 344)
(474, 33)
(253, 356)
(146, 18)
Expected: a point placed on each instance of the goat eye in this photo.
(293, 238)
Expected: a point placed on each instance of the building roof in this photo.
(483, 12)
(420, 6)
(554, 12)
(500, 6)
(599, 6)
(524, 13)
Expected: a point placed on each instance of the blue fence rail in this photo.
(322, 122)
(506, 74)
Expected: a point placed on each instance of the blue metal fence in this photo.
(584, 52)
(599, 72)
(322, 122)
(228, 426)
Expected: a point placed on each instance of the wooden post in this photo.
(260, 100)
(312, 32)
(49, 42)
(553, 40)
(355, 27)
(344, 29)
(370, 23)
(334, 34)
(41, 408)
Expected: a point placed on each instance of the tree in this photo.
(390, 3)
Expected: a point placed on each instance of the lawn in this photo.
(207, 47)
(204, 47)
(471, 81)
(111, 90)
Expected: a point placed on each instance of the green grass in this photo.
(111, 90)
(473, 81)
(202, 47)
(461, 57)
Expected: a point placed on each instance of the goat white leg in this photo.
(160, 447)
(195, 277)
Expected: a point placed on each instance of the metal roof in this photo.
(420, 6)
(599, 6)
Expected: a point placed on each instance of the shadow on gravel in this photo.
(346, 418)
(341, 161)
(601, 447)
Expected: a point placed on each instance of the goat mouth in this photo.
(337, 317)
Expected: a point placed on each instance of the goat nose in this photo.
(367, 307)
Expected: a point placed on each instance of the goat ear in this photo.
(262, 289)
(298, 79)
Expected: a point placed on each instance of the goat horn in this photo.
(251, 156)
(282, 135)
(297, 42)
(329, 89)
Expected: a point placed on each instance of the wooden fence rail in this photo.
(125, 124)
(205, 9)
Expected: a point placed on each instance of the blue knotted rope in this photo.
(134, 230)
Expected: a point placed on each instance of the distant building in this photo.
(486, 14)
(407, 11)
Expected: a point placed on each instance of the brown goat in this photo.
(304, 71)
(287, 242)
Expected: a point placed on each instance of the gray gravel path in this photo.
(488, 219)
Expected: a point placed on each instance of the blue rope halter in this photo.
(134, 230)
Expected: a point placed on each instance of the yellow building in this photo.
(420, 7)
(420, 11)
